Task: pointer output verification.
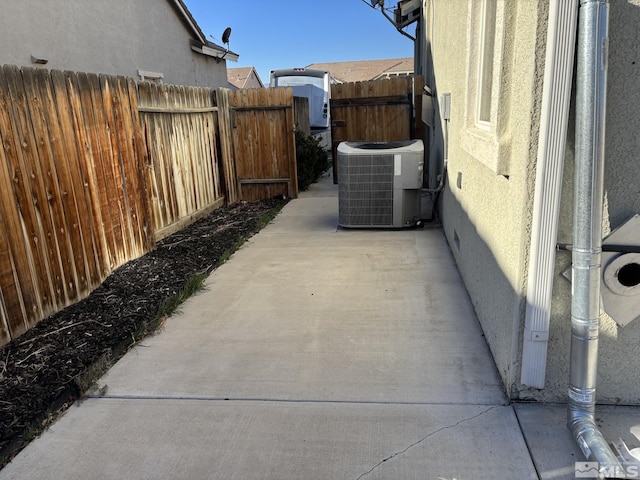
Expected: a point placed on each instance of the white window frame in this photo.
(486, 58)
(480, 136)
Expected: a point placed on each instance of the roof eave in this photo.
(212, 50)
(191, 22)
(201, 44)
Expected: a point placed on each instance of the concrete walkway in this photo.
(315, 353)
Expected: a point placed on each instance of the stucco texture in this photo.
(115, 37)
(619, 347)
(486, 208)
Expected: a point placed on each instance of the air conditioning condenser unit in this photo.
(379, 184)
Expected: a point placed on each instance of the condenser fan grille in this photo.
(365, 190)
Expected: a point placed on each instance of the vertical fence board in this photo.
(110, 181)
(21, 166)
(133, 169)
(99, 154)
(301, 114)
(98, 255)
(141, 159)
(47, 192)
(72, 184)
(15, 274)
(108, 100)
(226, 145)
(10, 297)
(61, 201)
(119, 138)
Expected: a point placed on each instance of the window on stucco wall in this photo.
(484, 64)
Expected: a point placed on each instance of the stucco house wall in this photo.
(488, 198)
(114, 37)
(619, 347)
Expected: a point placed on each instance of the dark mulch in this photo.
(48, 368)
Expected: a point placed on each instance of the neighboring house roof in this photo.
(244, 77)
(363, 70)
(200, 44)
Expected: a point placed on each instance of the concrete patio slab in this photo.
(175, 439)
(554, 450)
(343, 315)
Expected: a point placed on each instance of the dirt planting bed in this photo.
(44, 371)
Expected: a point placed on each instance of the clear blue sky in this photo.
(270, 34)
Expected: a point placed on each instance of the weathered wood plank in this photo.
(175, 111)
(132, 167)
(142, 160)
(107, 172)
(109, 100)
(301, 114)
(73, 186)
(11, 306)
(47, 187)
(19, 290)
(98, 255)
(62, 204)
(226, 145)
(24, 175)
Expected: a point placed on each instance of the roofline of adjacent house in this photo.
(201, 44)
(252, 69)
(257, 77)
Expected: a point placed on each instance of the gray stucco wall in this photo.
(486, 207)
(114, 37)
(487, 203)
(619, 359)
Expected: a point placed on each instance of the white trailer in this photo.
(316, 86)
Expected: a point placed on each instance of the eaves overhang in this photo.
(200, 44)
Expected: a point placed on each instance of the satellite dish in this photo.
(226, 35)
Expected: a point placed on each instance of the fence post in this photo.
(226, 145)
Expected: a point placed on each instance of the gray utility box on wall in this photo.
(379, 183)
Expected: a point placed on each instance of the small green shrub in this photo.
(311, 158)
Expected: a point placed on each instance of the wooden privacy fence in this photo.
(94, 169)
(264, 142)
(375, 111)
(73, 205)
(179, 125)
(301, 114)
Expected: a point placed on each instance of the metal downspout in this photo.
(554, 120)
(587, 231)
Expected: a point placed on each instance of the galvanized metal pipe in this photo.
(587, 230)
